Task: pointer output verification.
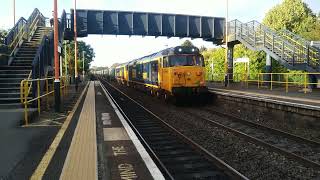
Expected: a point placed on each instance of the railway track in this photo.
(297, 148)
(177, 156)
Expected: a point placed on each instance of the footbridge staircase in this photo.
(291, 50)
(30, 49)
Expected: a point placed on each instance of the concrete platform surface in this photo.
(295, 95)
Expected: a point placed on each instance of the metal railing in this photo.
(284, 45)
(23, 30)
(45, 54)
(15, 33)
(36, 19)
(26, 100)
(270, 80)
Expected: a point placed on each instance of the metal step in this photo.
(10, 100)
(10, 85)
(24, 58)
(11, 80)
(13, 68)
(27, 51)
(10, 71)
(11, 106)
(25, 54)
(9, 95)
(14, 75)
(9, 90)
(22, 63)
(23, 48)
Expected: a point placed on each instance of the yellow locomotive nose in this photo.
(188, 76)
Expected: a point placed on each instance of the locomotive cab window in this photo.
(185, 60)
(165, 62)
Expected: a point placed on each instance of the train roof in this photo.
(166, 52)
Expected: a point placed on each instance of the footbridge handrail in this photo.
(271, 80)
(49, 90)
(23, 29)
(13, 36)
(288, 48)
(44, 55)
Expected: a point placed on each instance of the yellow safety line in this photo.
(45, 161)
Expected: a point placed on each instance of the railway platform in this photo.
(93, 142)
(294, 97)
(102, 146)
(295, 107)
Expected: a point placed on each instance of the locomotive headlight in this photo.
(180, 49)
(192, 49)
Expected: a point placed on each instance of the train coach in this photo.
(172, 72)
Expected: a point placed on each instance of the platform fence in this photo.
(44, 90)
(270, 80)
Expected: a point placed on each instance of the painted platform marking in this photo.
(119, 150)
(126, 170)
(115, 134)
(105, 117)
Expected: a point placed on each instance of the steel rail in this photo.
(200, 150)
(261, 142)
(273, 130)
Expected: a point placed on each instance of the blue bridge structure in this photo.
(149, 24)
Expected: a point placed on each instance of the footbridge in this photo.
(148, 24)
(289, 49)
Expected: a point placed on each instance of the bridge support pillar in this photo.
(229, 75)
(268, 69)
(314, 80)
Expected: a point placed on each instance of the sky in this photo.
(111, 49)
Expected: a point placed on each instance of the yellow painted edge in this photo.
(45, 161)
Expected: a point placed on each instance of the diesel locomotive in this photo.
(172, 72)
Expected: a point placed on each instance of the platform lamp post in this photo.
(75, 45)
(14, 12)
(226, 58)
(83, 52)
(65, 59)
(56, 59)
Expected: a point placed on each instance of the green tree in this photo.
(293, 15)
(313, 34)
(202, 49)
(187, 43)
(88, 56)
(3, 34)
(215, 58)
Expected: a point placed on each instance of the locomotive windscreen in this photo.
(185, 60)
